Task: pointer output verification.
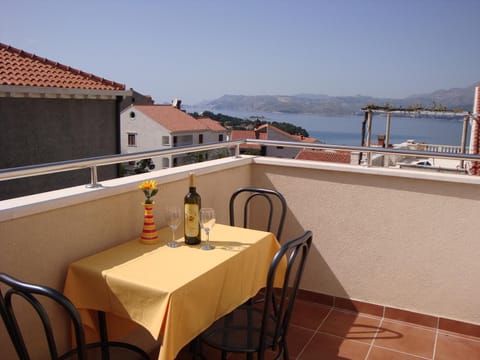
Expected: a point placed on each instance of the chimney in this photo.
(176, 103)
(381, 140)
(475, 132)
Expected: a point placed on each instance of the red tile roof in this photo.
(171, 118)
(261, 133)
(305, 139)
(322, 155)
(265, 127)
(242, 134)
(20, 68)
(245, 134)
(211, 124)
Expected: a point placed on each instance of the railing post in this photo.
(369, 137)
(93, 178)
(386, 158)
(464, 139)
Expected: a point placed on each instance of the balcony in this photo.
(393, 245)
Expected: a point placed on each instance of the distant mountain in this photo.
(457, 98)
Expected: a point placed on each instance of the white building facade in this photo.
(156, 127)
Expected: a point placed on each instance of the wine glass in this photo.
(207, 221)
(173, 220)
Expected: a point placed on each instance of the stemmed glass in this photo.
(173, 220)
(207, 221)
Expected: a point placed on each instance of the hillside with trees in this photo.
(234, 123)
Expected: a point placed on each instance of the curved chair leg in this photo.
(283, 351)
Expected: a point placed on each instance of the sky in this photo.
(199, 50)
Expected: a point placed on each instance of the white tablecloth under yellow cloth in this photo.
(176, 292)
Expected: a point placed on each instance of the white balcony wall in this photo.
(399, 238)
(41, 234)
(403, 239)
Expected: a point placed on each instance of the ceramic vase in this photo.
(149, 232)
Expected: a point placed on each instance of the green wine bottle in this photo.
(192, 204)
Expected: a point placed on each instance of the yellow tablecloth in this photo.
(173, 292)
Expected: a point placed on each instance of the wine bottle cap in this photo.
(192, 179)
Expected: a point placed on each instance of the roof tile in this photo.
(20, 68)
(321, 155)
(171, 118)
(211, 124)
(242, 134)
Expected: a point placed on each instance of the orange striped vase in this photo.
(149, 232)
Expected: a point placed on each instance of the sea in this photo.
(347, 130)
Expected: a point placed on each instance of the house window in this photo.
(220, 137)
(175, 141)
(200, 138)
(165, 140)
(132, 139)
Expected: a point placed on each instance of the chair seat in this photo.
(239, 331)
(256, 327)
(35, 296)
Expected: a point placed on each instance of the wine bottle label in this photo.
(191, 220)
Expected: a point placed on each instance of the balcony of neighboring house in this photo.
(392, 273)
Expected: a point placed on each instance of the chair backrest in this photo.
(269, 197)
(34, 295)
(280, 302)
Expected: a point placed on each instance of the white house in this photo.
(270, 132)
(154, 127)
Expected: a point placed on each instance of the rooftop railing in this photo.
(94, 162)
(389, 237)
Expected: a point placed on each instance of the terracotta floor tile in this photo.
(384, 354)
(297, 338)
(453, 347)
(346, 336)
(326, 347)
(351, 326)
(406, 338)
(269, 355)
(308, 314)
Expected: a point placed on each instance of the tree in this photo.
(254, 121)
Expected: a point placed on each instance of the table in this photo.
(175, 293)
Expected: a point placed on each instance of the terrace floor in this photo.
(321, 332)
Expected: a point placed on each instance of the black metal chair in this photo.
(35, 296)
(269, 197)
(254, 328)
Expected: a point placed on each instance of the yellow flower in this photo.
(148, 185)
(150, 189)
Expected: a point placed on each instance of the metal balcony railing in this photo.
(94, 162)
(444, 148)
